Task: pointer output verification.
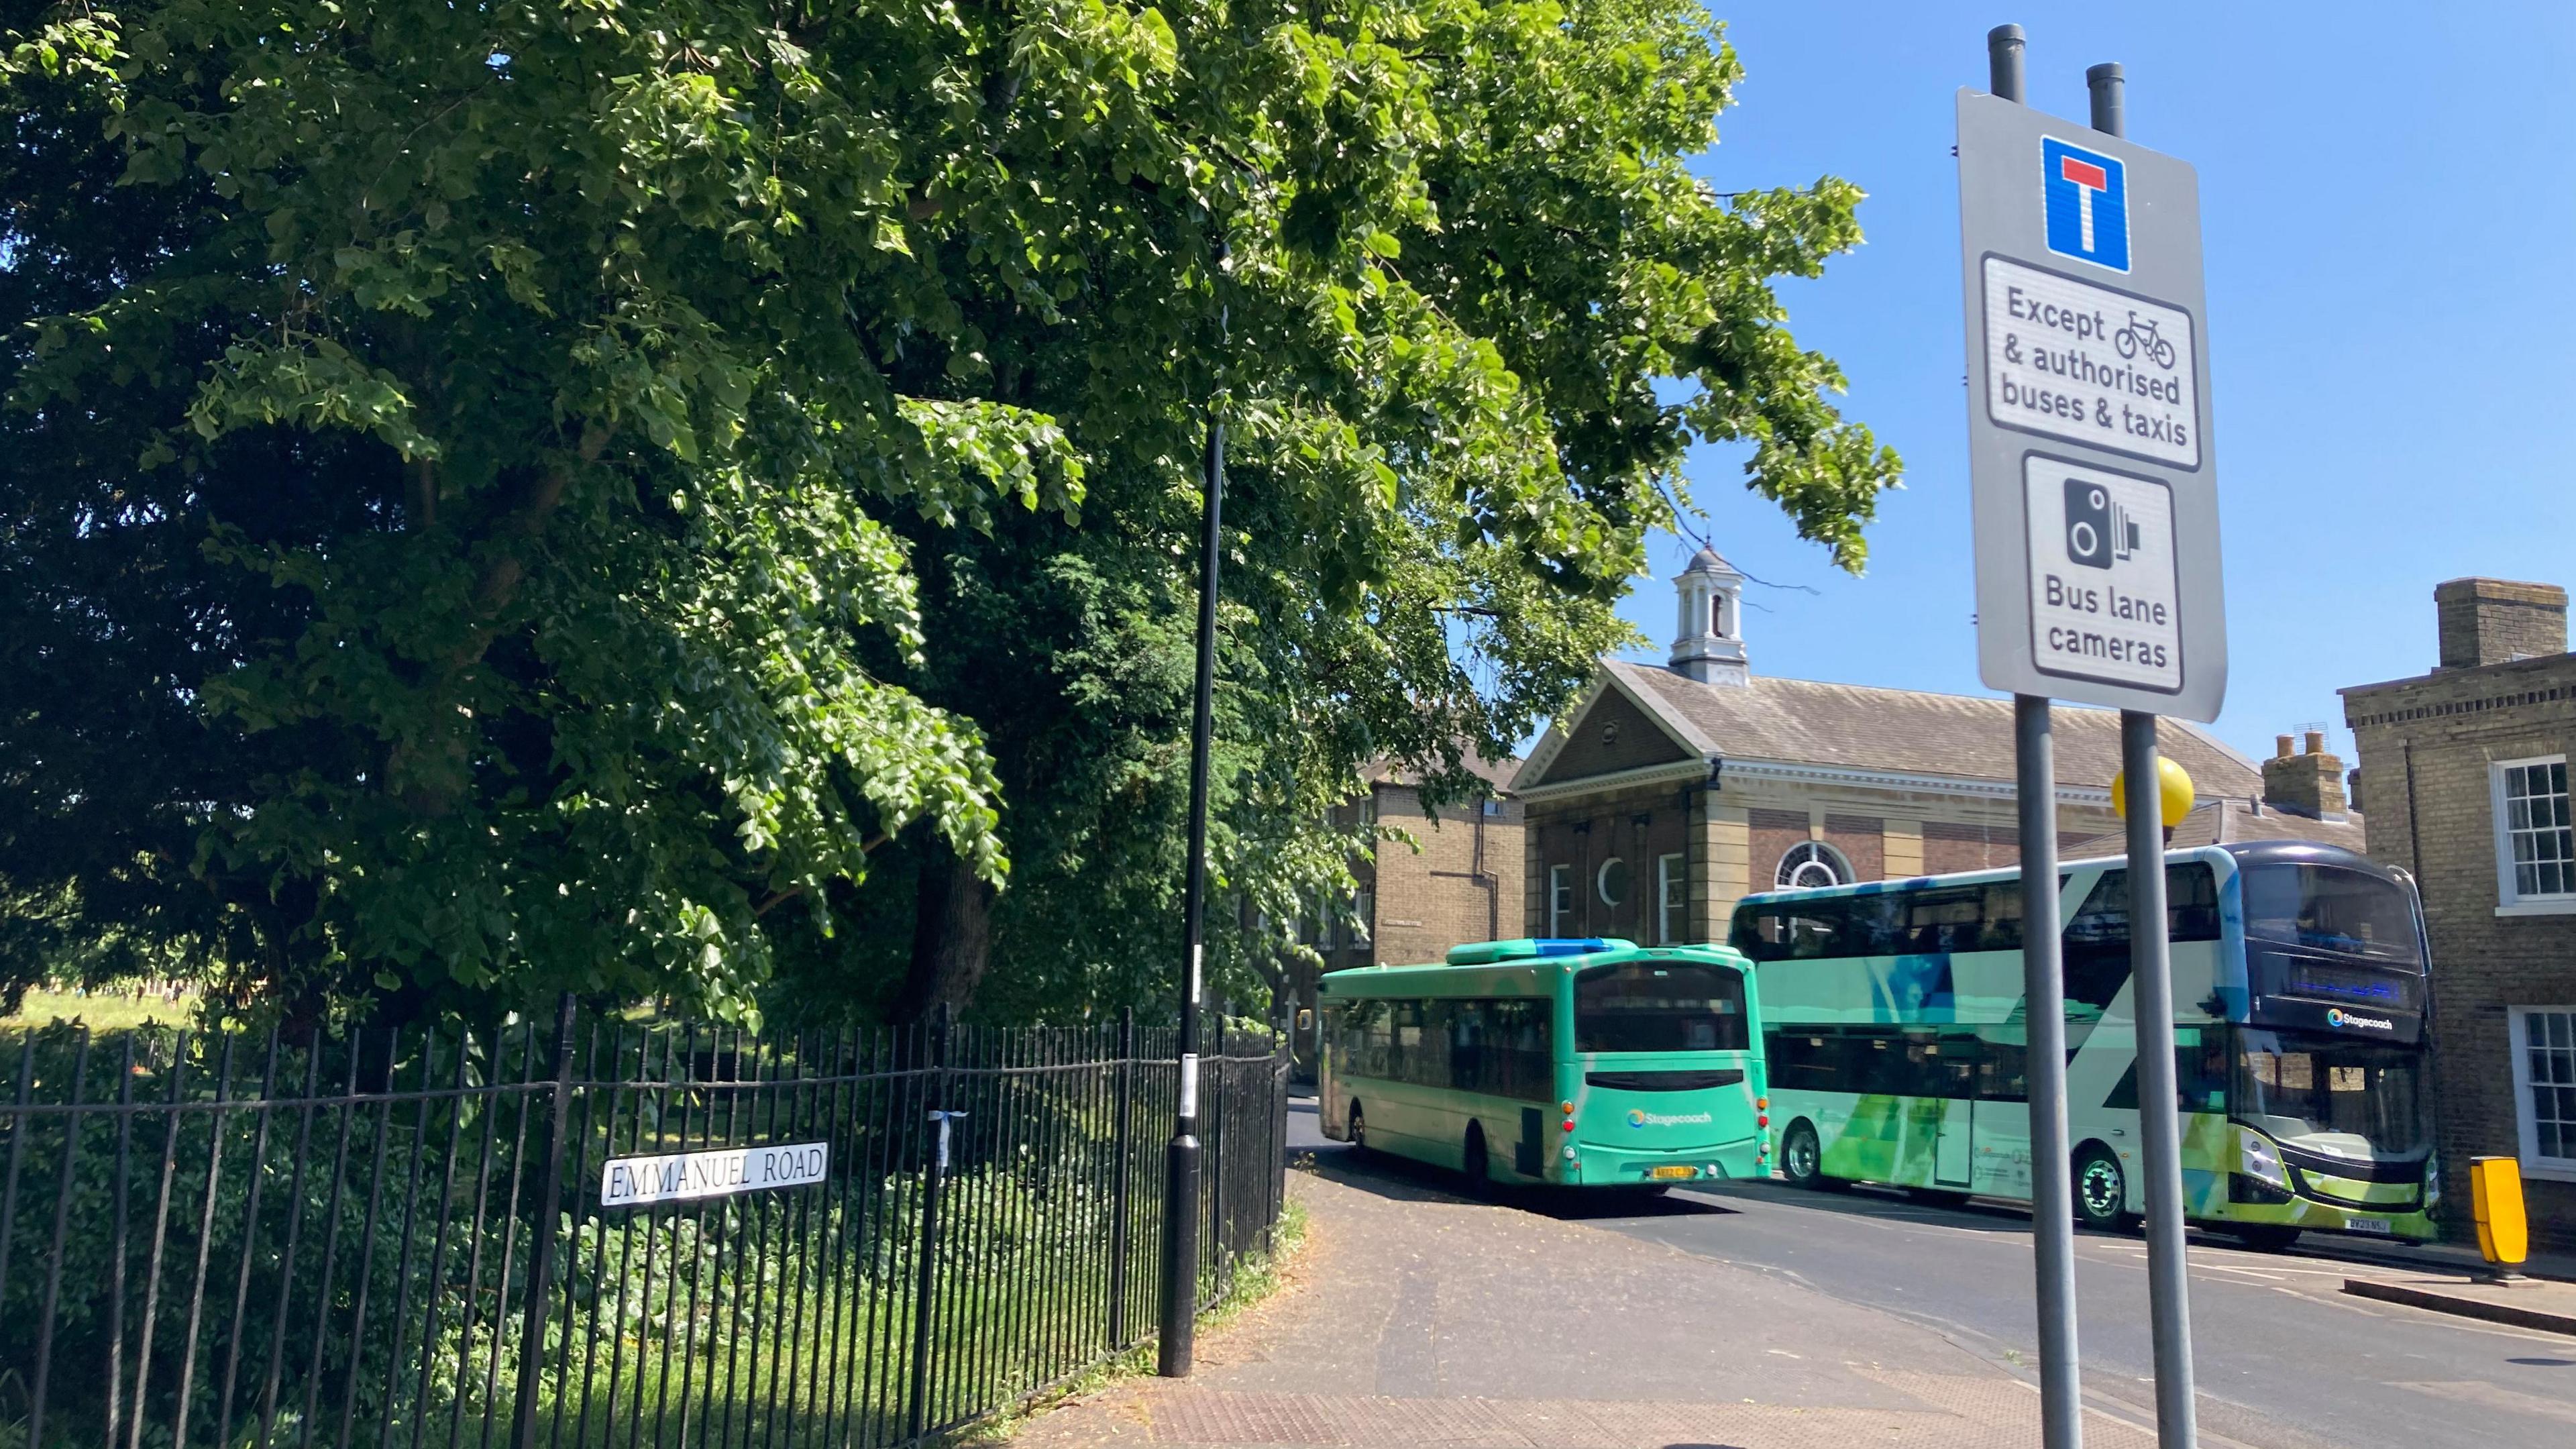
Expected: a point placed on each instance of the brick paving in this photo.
(1414, 1319)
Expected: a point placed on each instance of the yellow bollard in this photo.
(2495, 1198)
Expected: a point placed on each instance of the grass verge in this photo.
(1254, 1280)
(102, 1012)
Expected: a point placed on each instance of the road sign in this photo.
(2088, 203)
(2091, 465)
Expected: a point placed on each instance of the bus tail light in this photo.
(1761, 1104)
(1565, 1109)
(1762, 1120)
(1568, 1124)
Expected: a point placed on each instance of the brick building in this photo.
(2465, 773)
(1462, 883)
(1667, 794)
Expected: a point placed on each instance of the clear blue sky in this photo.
(2390, 204)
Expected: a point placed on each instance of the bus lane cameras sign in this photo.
(2104, 604)
(2092, 470)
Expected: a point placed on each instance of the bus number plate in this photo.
(2380, 1226)
(1665, 1173)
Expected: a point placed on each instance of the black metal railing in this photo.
(593, 1233)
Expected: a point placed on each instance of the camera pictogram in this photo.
(2098, 529)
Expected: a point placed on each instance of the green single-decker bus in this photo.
(1595, 1063)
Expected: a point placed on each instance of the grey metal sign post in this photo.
(2093, 477)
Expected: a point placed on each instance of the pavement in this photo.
(1754, 1315)
(1413, 1317)
(2533, 1303)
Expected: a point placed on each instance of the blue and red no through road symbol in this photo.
(2088, 204)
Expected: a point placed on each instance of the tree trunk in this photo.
(952, 936)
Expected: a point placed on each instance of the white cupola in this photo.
(1708, 645)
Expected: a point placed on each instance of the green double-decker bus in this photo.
(1897, 1044)
(1587, 1062)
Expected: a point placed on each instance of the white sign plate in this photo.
(2092, 468)
(685, 1176)
(2069, 359)
(2104, 602)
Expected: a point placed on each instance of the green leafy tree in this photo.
(518, 496)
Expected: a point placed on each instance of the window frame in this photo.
(2510, 901)
(1672, 894)
(1363, 918)
(1560, 898)
(1834, 859)
(2526, 1123)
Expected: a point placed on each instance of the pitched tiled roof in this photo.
(2222, 822)
(1906, 731)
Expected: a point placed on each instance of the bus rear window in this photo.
(1656, 1006)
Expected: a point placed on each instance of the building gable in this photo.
(1611, 735)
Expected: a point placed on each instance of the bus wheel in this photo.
(1480, 1173)
(2101, 1189)
(1802, 1157)
(1359, 1132)
(2262, 1237)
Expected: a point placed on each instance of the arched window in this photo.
(1812, 863)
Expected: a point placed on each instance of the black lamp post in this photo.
(1181, 1158)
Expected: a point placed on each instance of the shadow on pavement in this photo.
(1405, 1180)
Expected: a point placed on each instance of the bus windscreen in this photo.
(2328, 908)
(1653, 1006)
(2333, 1094)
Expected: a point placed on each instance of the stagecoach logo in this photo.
(1638, 1117)
(2337, 1016)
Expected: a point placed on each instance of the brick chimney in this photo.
(2309, 782)
(2488, 621)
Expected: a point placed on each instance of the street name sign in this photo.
(721, 1172)
(2091, 471)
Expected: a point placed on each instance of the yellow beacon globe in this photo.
(2173, 792)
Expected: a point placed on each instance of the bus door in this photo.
(2003, 1113)
(1332, 1103)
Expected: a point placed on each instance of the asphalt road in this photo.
(2285, 1359)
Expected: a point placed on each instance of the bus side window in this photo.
(1761, 932)
(1936, 921)
(1426, 1043)
(1468, 1026)
(2191, 902)
(1370, 1024)
(2001, 916)
(2002, 1066)
(2097, 944)
(1814, 929)
(2097, 940)
(1522, 1033)
(2200, 1073)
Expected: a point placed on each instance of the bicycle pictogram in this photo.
(2141, 333)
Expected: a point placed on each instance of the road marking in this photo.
(2493, 1396)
